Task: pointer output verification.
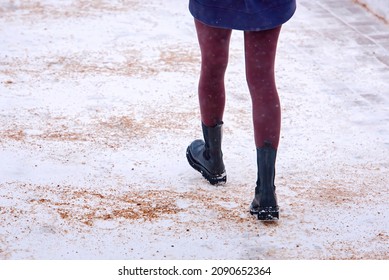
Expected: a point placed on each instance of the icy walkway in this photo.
(98, 104)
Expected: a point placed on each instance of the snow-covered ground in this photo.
(98, 103)
(379, 7)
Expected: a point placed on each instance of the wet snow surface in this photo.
(98, 103)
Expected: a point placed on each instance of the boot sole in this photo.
(211, 178)
(270, 213)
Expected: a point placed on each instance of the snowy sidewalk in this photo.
(98, 104)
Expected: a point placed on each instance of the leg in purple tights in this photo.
(260, 53)
(206, 155)
(214, 45)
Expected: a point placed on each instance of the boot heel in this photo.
(266, 213)
(216, 180)
(211, 178)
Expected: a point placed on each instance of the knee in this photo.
(260, 79)
(214, 64)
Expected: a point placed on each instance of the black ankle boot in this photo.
(206, 156)
(264, 204)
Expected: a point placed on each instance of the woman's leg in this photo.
(214, 45)
(206, 155)
(260, 53)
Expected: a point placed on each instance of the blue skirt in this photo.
(249, 15)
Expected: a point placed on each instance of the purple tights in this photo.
(260, 53)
